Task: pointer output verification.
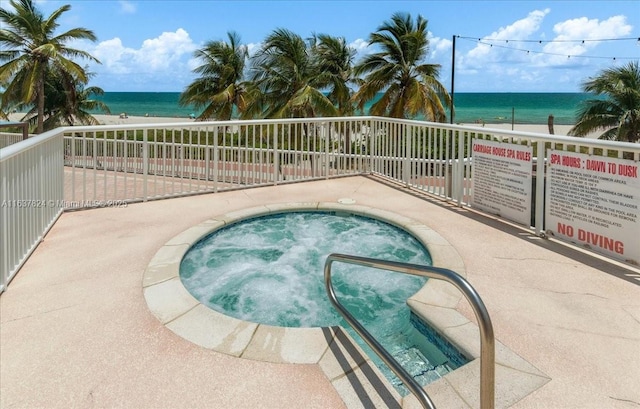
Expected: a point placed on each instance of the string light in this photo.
(491, 45)
(554, 41)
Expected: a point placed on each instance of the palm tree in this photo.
(618, 113)
(31, 49)
(288, 78)
(220, 88)
(334, 59)
(68, 102)
(5, 110)
(409, 86)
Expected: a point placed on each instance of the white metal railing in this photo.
(31, 198)
(89, 166)
(145, 162)
(7, 138)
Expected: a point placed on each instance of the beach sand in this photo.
(116, 120)
(536, 128)
(132, 120)
(129, 120)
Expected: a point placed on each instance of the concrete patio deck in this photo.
(76, 330)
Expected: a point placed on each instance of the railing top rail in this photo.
(487, 341)
(569, 140)
(16, 148)
(12, 150)
(234, 122)
(573, 140)
(465, 128)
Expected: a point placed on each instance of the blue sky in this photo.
(147, 45)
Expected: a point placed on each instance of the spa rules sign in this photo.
(594, 201)
(502, 180)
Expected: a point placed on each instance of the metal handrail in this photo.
(487, 342)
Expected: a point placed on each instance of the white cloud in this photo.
(497, 56)
(252, 48)
(361, 48)
(359, 45)
(155, 55)
(582, 29)
(115, 57)
(539, 59)
(520, 30)
(523, 28)
(165, 51)
(439, 46)
(511, 61)
(127, 7)
(166, 56)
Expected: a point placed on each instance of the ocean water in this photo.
(522, 108)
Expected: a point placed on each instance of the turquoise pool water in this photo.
(269, 270)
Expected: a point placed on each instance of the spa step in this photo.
(356, 379)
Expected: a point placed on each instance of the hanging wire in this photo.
(486, 42)
(554, 41)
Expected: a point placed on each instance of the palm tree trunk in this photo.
(40, 126)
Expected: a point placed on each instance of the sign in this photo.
(502, 180)
(593, 201)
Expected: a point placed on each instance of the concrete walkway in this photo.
(77, 332)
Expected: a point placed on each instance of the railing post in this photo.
(216, 160)
(276, 156)
(406, 168)
(373, 145)
(207, 157)
(460, 168)
(540, 183)
(145, 164)
(84, 168)
(327, 146)
(448, 165)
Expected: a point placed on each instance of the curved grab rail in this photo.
(487, 342)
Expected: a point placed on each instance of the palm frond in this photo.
(34, 53)
(617, 112)
(409, 84)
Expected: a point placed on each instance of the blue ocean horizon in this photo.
(487, 107)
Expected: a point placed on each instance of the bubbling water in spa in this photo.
(269, 270)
